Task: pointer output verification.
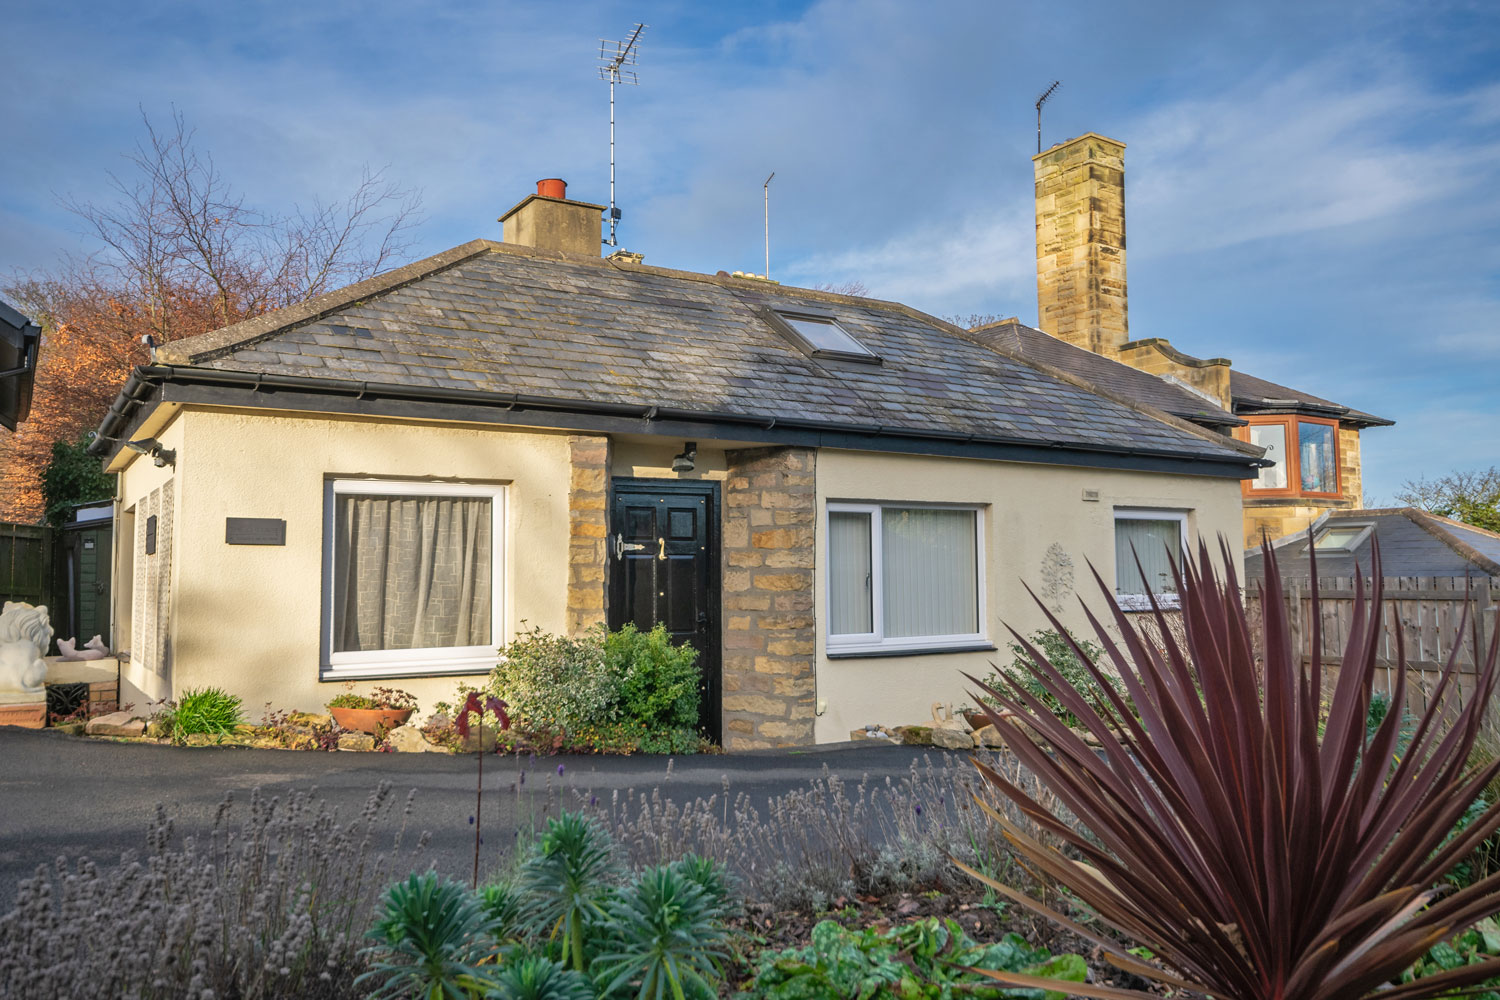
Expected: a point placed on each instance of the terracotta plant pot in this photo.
(368, 720)
(976, 720)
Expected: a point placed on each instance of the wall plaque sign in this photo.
(254, 531)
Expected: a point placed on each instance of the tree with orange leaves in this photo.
(178, 253)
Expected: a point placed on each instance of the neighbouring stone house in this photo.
(1313, 443)
(837, 500)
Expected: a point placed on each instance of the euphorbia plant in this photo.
(1255, 857)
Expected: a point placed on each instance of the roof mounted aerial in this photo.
(1039, 102)
(616, 56)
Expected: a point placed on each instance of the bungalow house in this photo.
(835, 499)
(1312, 444)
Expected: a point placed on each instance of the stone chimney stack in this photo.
(1080, 243)
(548, 220)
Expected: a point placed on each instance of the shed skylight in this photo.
(825, 337)
(1341, 538)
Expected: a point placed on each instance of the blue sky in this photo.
(1313, 189)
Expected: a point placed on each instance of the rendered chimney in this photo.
(1080, 243)
(549, 220)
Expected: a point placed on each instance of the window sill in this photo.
(882, 652)
(1141, 602)
(403, 671)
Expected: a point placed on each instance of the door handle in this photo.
(661, 548)
(622, 546)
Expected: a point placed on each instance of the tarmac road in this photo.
(62, 795)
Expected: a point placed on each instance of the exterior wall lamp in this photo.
(688, 459)
(153, 448)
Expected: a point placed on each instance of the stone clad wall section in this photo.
(588, 526)
(770, 519)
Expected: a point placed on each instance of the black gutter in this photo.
(250, 389)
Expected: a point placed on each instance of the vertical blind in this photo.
(929, 571)
(411, 572)
(1156, 543)
(849, 609)
(929, 583)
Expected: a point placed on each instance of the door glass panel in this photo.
(1315, 448)
(849, 607)
(1271, 437)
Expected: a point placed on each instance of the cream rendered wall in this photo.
(1029, 508)
(248, 617)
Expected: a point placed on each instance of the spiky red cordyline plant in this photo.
(1257, 860)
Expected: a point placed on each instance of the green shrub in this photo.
(629, 687)
(431, 937)
(557, 681)
(658, 682)
(565, 880)
(1054, 646)
(537, 977)
(1479, 943)
(206, 710)
(931, 958)
(663, 939)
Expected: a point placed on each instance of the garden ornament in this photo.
(25, 634)
(94, 649)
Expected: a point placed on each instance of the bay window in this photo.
(1305, 453)
(903, 578)
(412, 578)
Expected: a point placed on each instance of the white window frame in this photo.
(440, 660)
(876, 640)
(1142, 602)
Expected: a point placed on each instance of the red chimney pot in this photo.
(552, 187)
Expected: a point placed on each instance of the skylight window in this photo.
(822, 337)
(1344, 538)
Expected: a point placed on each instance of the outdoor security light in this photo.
(688, 458)
(153, 448)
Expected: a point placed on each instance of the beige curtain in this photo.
(411, 572)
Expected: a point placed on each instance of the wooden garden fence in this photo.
(1425, 611)
(26, 563)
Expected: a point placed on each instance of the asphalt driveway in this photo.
(66, 796)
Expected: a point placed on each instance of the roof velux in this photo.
(821, 336)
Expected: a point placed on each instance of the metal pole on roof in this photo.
(767, 187)
(623, 54)
(1039, 102)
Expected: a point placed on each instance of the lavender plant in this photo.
(273, 908)
(832, 838)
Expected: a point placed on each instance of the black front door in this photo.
(664, 567)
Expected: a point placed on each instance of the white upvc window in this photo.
(413, 578)
(904, 578)
(1154, 538)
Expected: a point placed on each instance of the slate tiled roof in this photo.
(511, 319)
(1413, 542)
(1256, 395)
(1016, 338)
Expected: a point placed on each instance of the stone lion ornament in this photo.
(25, 634)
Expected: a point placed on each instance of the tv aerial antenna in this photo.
(1039, 102)
(617, 56)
